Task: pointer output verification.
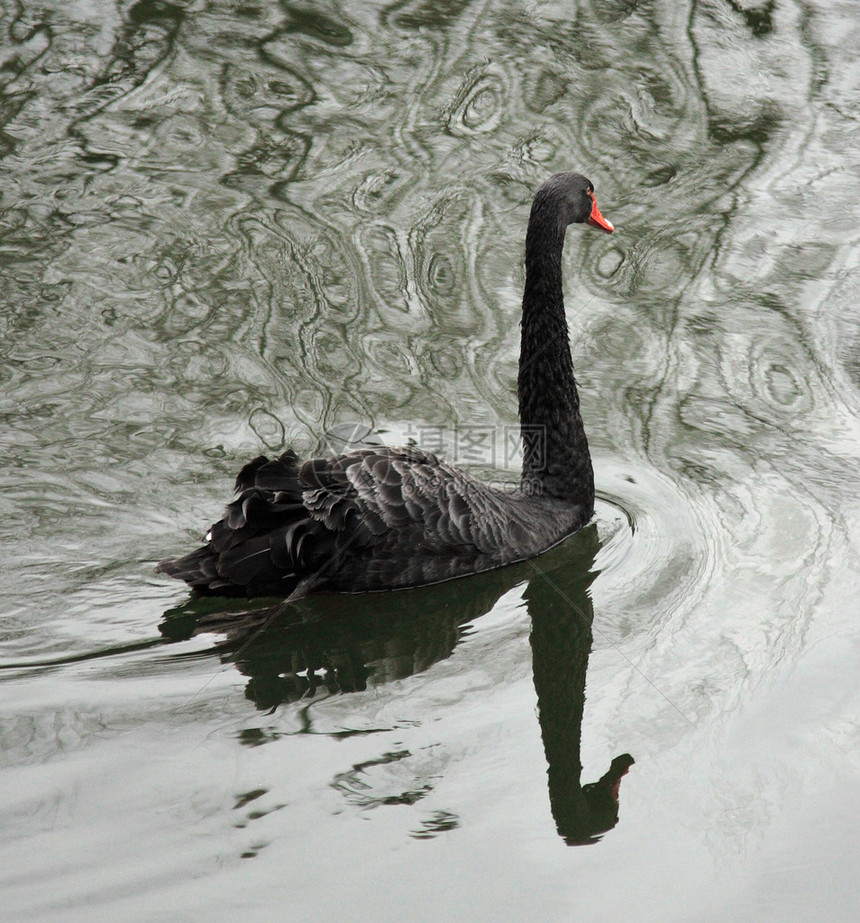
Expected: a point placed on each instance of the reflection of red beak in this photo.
(596, 220)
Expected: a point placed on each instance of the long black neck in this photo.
(556, 460)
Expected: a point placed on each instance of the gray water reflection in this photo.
(228, 227)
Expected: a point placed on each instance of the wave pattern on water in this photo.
(227, 228)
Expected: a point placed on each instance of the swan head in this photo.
(571, 197)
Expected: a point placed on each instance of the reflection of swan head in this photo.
(601, 797)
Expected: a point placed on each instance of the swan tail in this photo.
(199, 570)
(264, 544)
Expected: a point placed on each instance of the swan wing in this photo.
(315, 522)
(405, 501)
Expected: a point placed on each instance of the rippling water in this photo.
(230, 227)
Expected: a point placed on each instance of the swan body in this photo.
(383, 518)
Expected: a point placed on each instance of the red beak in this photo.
(596, 220)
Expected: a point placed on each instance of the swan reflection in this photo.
(348, 643)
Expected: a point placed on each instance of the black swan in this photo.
(382, 518)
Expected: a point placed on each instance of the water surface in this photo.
(226, 228)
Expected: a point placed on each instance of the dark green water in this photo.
(230, 227)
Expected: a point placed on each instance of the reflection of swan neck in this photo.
(561, 642)
(561, 615)
(556, 460)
